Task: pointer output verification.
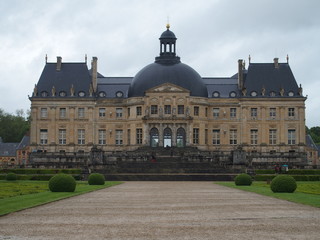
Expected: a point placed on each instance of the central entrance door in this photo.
(167, 137)
(154, 137)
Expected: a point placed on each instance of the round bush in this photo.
(283, 184)
(96, 179)
(243, 180)
(62, 183)
(11, 177)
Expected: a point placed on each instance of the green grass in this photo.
(20, 195)
(307, 193)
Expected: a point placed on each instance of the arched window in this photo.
(154, 137)
(181, 137)
(167, 137)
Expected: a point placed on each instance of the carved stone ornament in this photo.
(72, 91)
(244, 91)
(35, 90)
(281, 91)
(53, 91)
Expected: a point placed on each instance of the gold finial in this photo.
(168, 26)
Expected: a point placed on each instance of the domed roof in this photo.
(167, 68)
(156, 74)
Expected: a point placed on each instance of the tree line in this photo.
(14, 126)
(314, 133)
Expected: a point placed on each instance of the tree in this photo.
(13, 127)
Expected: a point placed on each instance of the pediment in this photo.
(167, 88)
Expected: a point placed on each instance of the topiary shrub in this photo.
(283, 184)
(11, 177)
(96, 179)
(243, 180)
(62, 183)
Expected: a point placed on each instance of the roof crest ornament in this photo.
(287, 58)
(46, 58)
(249, 59)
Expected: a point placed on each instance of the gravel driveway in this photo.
(165, 210)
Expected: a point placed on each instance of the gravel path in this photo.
(164, 210)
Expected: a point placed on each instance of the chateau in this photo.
(255, 116)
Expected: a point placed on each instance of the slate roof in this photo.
(310, 142)
(266, 75)
(8, 149)
(111, 85)
(24, 142)
(75, 74)
(223, 86)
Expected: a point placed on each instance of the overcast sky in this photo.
(123, 34)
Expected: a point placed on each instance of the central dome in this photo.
(167, 69)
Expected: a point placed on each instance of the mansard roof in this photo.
(272, 79)
(70, 74)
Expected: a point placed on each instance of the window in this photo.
(102, 136)
(63, 112)
(291, 136)
(232, 94)
(62, 94)
(216, 112)
(206, 112)
(216, 136)
(254, 112)
(254, 136)
(102, 112)
(291, 112)
(180, 109)
(62, 136)
(272, 136)
(154, 109)
(119, 134)
(80, 112)
(129, 136)
(139, 111)
(43, 112)
(233, 136)
(43, 136)
(196, 136)
(273, 113)
(167, 109)
(215, 94)
(233, 112)
(196, 111)
(128, 112)
(206, 136)
(118, 112)
(254, 94)
(81, 136)
(119, 94)
(102, 94)
(82, 94)
(139, 135)
(272, 94)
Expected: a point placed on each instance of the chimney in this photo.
(59, 62)
(94, 68)
(240, 74)
(276, 62)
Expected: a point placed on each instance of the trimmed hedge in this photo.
(11, 177)
(265, 171)
(62, 183)
(96, 179)
(296, 177)
(243, 180)
(283, 184)
(291, 171)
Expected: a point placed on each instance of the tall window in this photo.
(206, 136)
(233, 112)
(81, 136)
(62, 136)
(128, 112)
(254, 112)
(129, 136)
(291, 136)
(272, 136)
(206, 112)
(167, 109)
(291, 112)
(196, 111)
(216, 112)
(43, 112)
(139, 135)
(233, 136)
(254, 136)
(119, 135)
(180, 109)
(196, 136)
(80, 112)
(273, 113)
(102, 136)
(102, 112)
(118, 112)
(154, 109)
(216, 136)
(139, 111)
(63, 112)
(43, 136)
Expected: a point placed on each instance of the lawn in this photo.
(307, 192)
(18, 195)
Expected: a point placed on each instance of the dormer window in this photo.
(254, 94)
(215, 94)
(272, 94)
(290, 94)
(102, 94)
(44, 94)
(233, 94)
(119, 94)
(82, 94)
(62, 94)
